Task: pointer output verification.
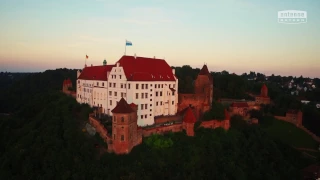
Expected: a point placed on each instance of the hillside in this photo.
(43, 139)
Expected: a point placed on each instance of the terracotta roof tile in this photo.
(189, 116)
(146, 69)
(204, 70)
(264, 87)
(96, 72)
(122, 107)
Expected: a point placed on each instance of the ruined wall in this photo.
(162, 129)
(164, 119)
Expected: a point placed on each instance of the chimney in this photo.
(117, 64)
(135, 56)
(174, 71)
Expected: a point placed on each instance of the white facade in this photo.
(154, 98)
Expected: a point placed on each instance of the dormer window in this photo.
(97, 83)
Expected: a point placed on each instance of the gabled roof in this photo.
(122, 107)
(96, 72)
(239, 104)
(189, 116)
(146, 69)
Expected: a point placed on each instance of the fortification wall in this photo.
(216, 124)
(162, 129)
(99, 128)
(164, 119)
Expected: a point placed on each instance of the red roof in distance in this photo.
(122, 107)
(96, 72)
(264, 87)
(146, 69)
(189, 116)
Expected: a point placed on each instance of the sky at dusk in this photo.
(234, 35)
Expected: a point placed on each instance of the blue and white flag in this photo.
(128, 43)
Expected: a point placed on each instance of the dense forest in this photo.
(42, 138)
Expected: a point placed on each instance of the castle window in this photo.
(150, 110)
(161, 103)
(146, 95)
(141, 116)
(156, 93)
(174, 86)
(142, 95)
(129, 86)
(110, 102)
(102, 84)
(122, 127)
(121, 85)
(137, 95)
(110, 84)
(114, 85)
(146, 86)
(150, 114)
(150, 99)
(160, 93)
(78, 82)
(162, 86)
(110, 93)
(115, 93)
(120, 76)
(146, 106)
(125, 86)
(172, 93)
(156, 103)
(145, 116)
(122, 119)
(141, 106)
(122, 137)
(172, 102)
(142, 86)
(150, 105)
(137, 86)
(97, 83)
(150, 85)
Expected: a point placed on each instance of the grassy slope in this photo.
(290, 134)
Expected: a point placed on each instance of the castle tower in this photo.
(188, 122)
(204, 84)
(124, 127)
(264, 91)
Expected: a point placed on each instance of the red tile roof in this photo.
(133, 105)
(189, 116)
(146, 69)
(239, 104)
(96, 72)
(122, 107)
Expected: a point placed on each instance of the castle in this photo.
(150, 83)
(150, 86)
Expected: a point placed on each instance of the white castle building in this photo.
(149, 83)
